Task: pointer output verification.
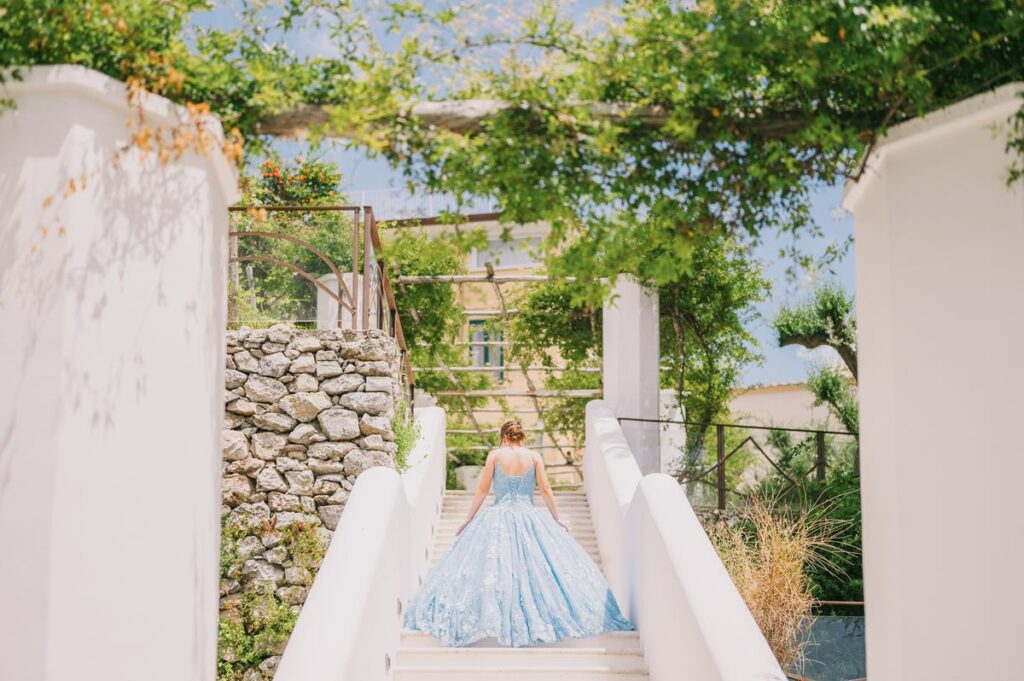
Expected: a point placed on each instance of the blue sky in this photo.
(779, 365)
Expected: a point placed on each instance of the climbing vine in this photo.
(642, 130)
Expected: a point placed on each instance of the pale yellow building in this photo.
(510, 252)
(789, 405)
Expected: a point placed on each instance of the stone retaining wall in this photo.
(306, 412)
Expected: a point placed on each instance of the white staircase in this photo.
(610, 657)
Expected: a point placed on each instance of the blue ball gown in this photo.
(514, 574)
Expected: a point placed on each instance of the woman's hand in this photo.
(461, 528)
(564, 525)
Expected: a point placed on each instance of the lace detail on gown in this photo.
(514, 574)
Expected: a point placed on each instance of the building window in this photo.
(514, 253)
(486, 354)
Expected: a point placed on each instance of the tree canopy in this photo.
(826, 319)
(652, 123)
(664, 121)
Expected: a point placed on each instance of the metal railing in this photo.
(369, 299)
(793, 478)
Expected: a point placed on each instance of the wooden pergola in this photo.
(535, 394)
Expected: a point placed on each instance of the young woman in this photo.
(514, 573)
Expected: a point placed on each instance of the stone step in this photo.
(580, 520)
(561, 507)
(595, 557)
(439, 550)
(520, 658)
(447, 540)
(455, 493)
(461, 513)
(568, 497)
(579, 534)
(617, 640)
(453, 521)
(593, 673)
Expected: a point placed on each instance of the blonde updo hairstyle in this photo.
(512, 432)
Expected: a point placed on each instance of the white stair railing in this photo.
(350, 624)
(663, 569)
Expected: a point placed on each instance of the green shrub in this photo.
(257, 629)
(406, 431)
(256, 625)
(305, 545)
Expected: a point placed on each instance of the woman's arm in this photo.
(545, 489)
(481, 492)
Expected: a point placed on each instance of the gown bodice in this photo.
(512, 488)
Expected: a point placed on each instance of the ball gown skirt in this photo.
(515, 575)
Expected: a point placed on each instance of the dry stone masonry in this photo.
(306, 412)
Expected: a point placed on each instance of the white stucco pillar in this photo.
(672, 435)
(327, 306)
(631, 363)
(939, 247)
(111, 407)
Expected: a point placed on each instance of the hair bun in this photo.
(512, 431)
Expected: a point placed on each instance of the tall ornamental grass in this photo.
(768, 555)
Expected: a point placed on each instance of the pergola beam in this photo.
(459, 116)
(478, 278)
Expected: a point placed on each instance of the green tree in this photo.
(270, 292)
(667, 121)
(705, 338)
(555, 328)
(643, 131)
(243, 73)
(827, 319)
(432, 319)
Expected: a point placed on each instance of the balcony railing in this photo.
(730, 439)
(397, 204)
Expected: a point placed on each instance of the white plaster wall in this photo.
(108, 518)
(939, 241)
(424, 491)
(610, 477)
(789, 404)
(327, 307)
(672, 436)
(632, 357)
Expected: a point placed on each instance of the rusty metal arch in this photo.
(308, 246)
(299, 271)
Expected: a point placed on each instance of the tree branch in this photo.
(817, 340)
(464, 116)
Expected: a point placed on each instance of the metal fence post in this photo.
(720, 442)
(819, 437)
(355, 268)
(367, 268)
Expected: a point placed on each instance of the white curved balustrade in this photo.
(350, 624)
(664, 571)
